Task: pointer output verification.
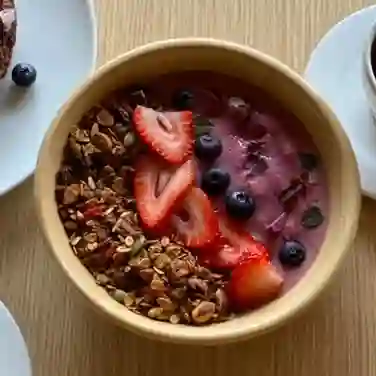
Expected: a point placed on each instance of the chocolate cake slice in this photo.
(8, 27)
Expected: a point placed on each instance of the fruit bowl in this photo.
(239, 63)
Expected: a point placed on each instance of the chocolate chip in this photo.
(137, 97)
(312, 217)
(308, 161)
(202, 125)
(182, 100)
(202, 121)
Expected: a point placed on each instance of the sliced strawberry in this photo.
(224, 256)
(169, 134)
(239, 237)
(233, 246)
(220, 257)
(253, 283)
(196, 224)
(159, 189)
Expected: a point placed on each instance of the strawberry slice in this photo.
(232, 247)
(196, 224)
(238, 237)
(159, 189)
(169, 134)
(227, 257)
(220, 257)
(253, 283)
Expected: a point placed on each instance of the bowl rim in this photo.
(187, 334)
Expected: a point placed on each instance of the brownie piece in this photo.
(8, 27)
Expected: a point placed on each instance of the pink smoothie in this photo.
(261, 155)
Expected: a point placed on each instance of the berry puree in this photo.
(192, 198)
(264, 153)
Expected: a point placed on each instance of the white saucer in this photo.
(14, 359)
(334, 70)
(58, 37)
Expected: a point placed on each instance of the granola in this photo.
(157, 277)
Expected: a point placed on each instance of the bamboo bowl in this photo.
(255, 68)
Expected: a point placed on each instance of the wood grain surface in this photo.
(337, 336)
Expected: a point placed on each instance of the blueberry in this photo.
(240, 205)
(182, 100)
(215, 181)
(292, 253)
(24, 74)
(208, 147)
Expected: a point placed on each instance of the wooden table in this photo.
(337, 336)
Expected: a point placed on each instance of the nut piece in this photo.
(154, 313)
(141, 263)
(102, 141)
(203, 313)
(147, 274)
(102, 279)
(94, 129)
(174, 319)
(71, 194)
(204, 273)
(118, 186)
(154, 251)
(166, 303)
(129, 299)
(162, 261)
(165, 241)
(70, 225)
(221, 300)
(128, 241)
(105, 119)
(173, 250)
(179, 268)
(178, 293)
(198, 284)
(119, 295)
(129, 139)
(157, 284)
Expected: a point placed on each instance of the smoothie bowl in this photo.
(197, 191)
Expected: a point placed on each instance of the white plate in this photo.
(59, 38)
(335, 71)
(14, 359)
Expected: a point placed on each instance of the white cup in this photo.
(369, 72)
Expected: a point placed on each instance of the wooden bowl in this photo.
(256, 68)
